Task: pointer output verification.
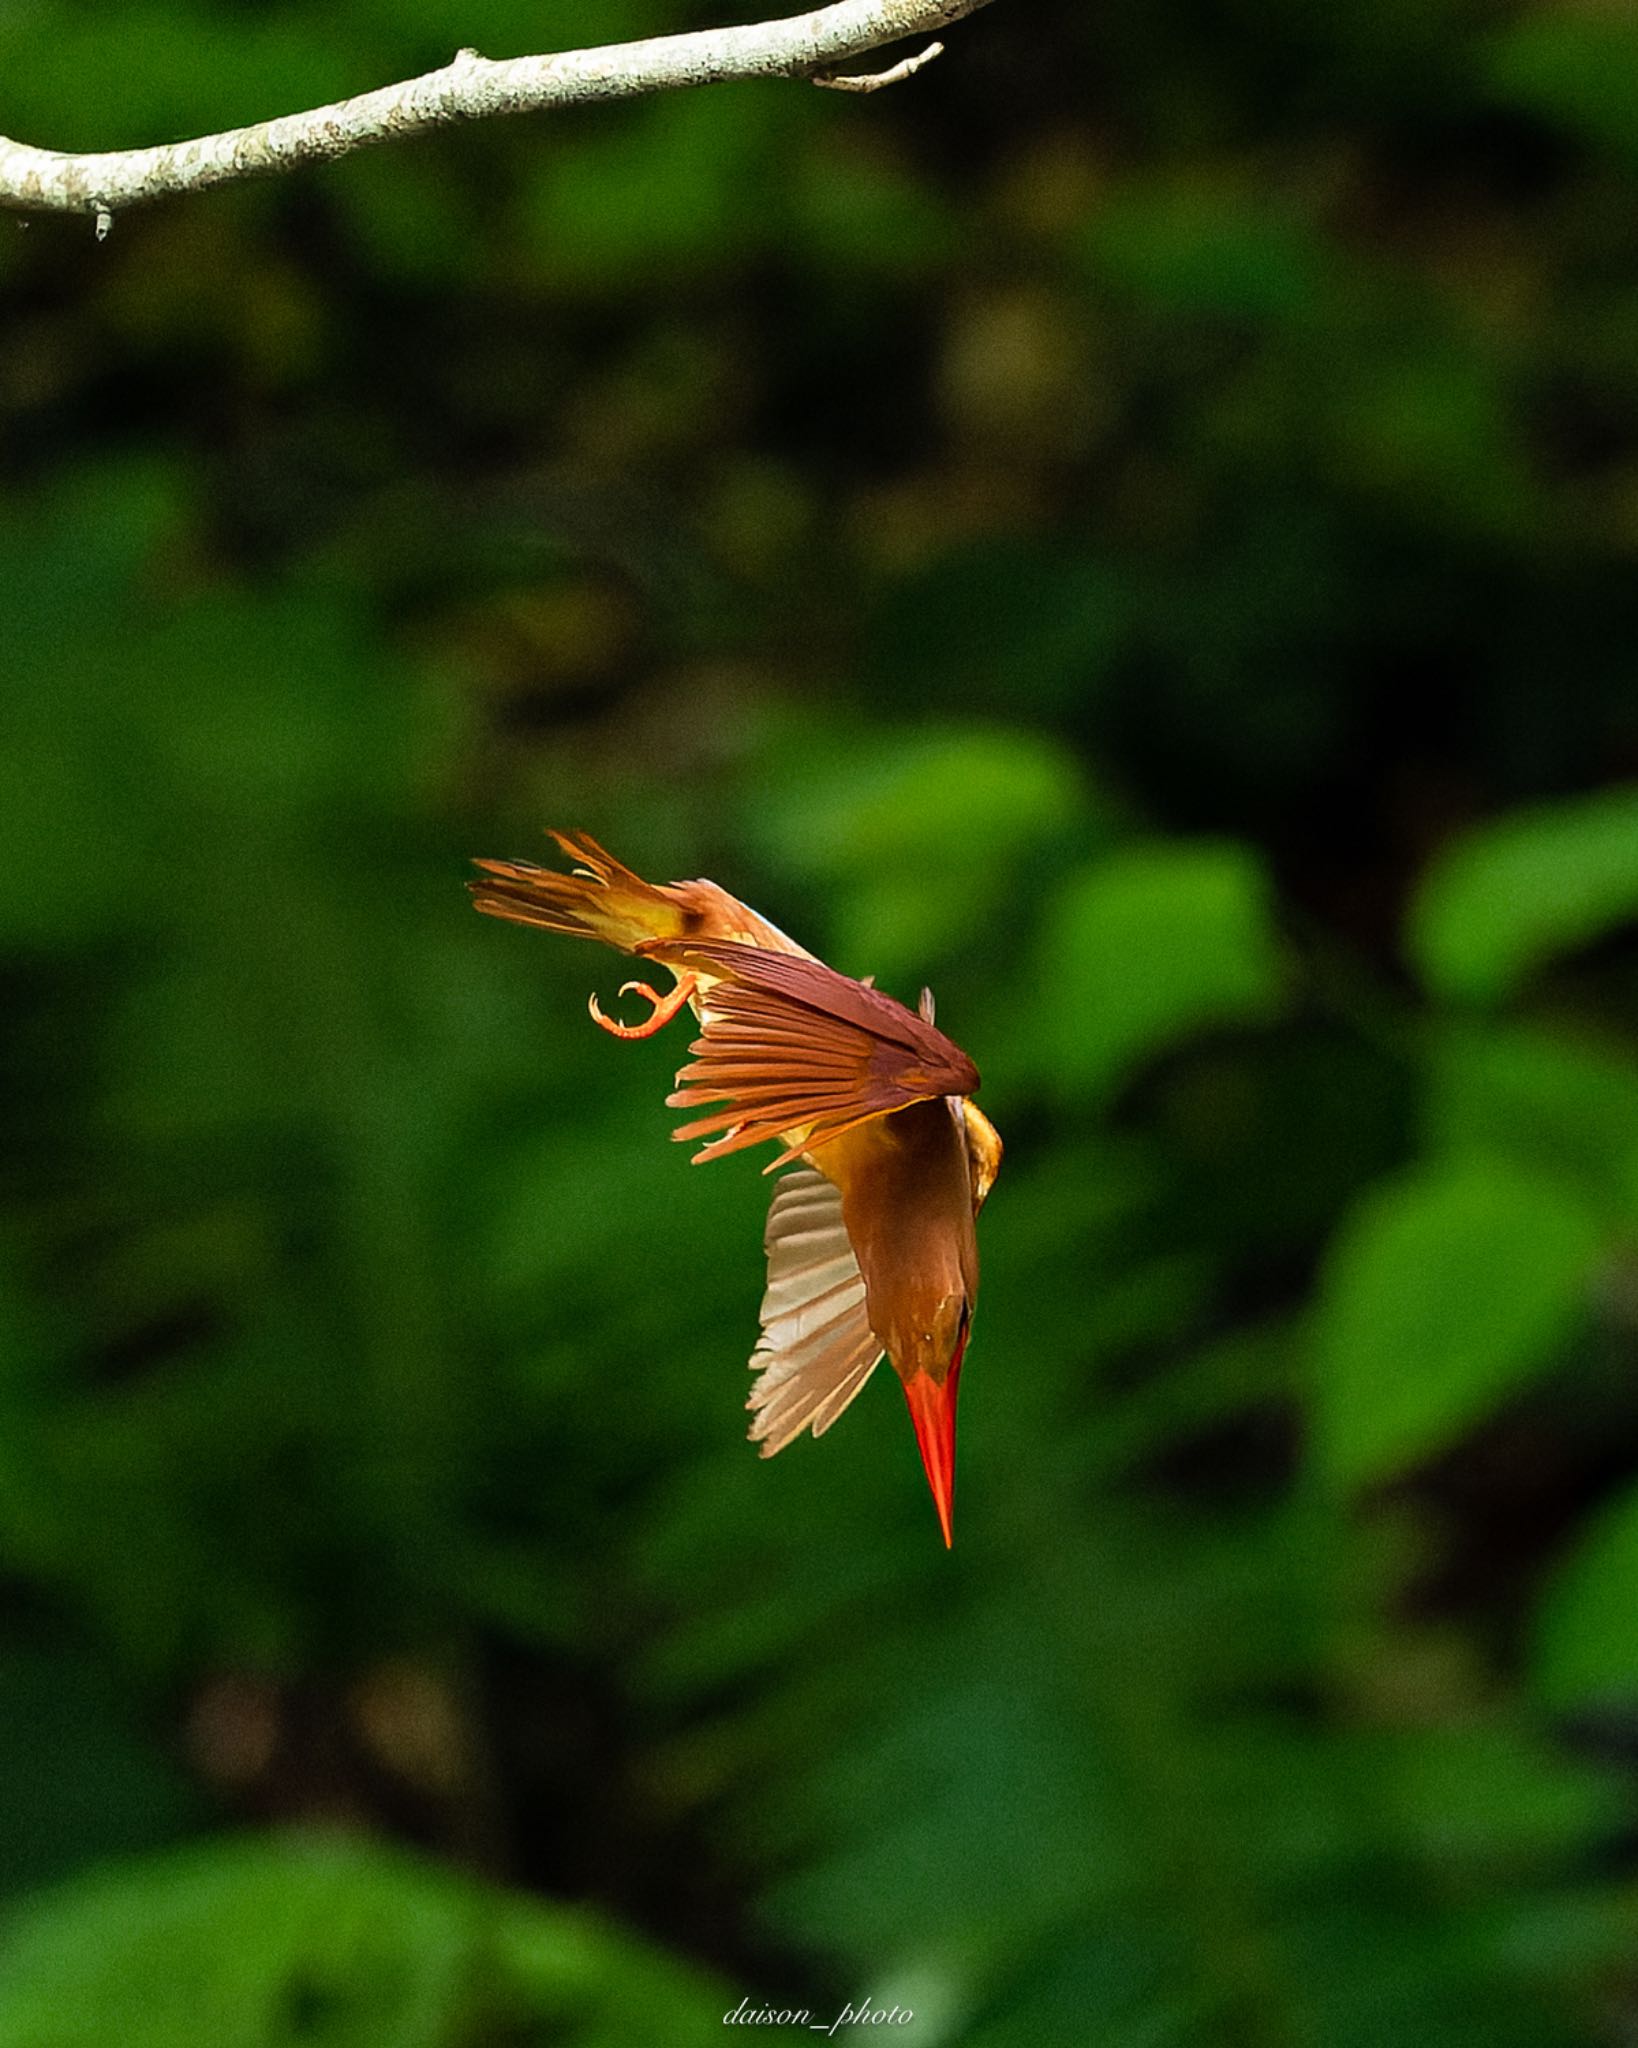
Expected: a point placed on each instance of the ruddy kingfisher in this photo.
(870, 1240)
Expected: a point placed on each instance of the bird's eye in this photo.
(961, 1333)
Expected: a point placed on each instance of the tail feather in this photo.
(600, 900)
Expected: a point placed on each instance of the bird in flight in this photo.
(870, 1241)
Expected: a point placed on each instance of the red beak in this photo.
(932, 1405)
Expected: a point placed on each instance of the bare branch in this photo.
(474, 88)
(873, 81)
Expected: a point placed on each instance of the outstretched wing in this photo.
(799, 1054)
(817, 1347)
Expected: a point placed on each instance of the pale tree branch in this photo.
(873, 81)
(475, 88)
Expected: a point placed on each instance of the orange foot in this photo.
(662, 1008)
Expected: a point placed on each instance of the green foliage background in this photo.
(1137, 529)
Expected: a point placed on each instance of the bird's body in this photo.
(870, 1240)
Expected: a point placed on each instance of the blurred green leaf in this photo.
(1444, 1292)
(1586, 1637)
(1575, 68)
(239, 715)
(1565, 1105)
(516, 28)
(867, 215)
(274, 1943)
(406, 206)
(132, 73)
(665, 183)
(70, 735)
(1509, 898)
(1494, 1798)
(923, 839)
(1211, 249)
(1145, 949)
(1425, 422)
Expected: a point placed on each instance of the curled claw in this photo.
(662, 1008)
